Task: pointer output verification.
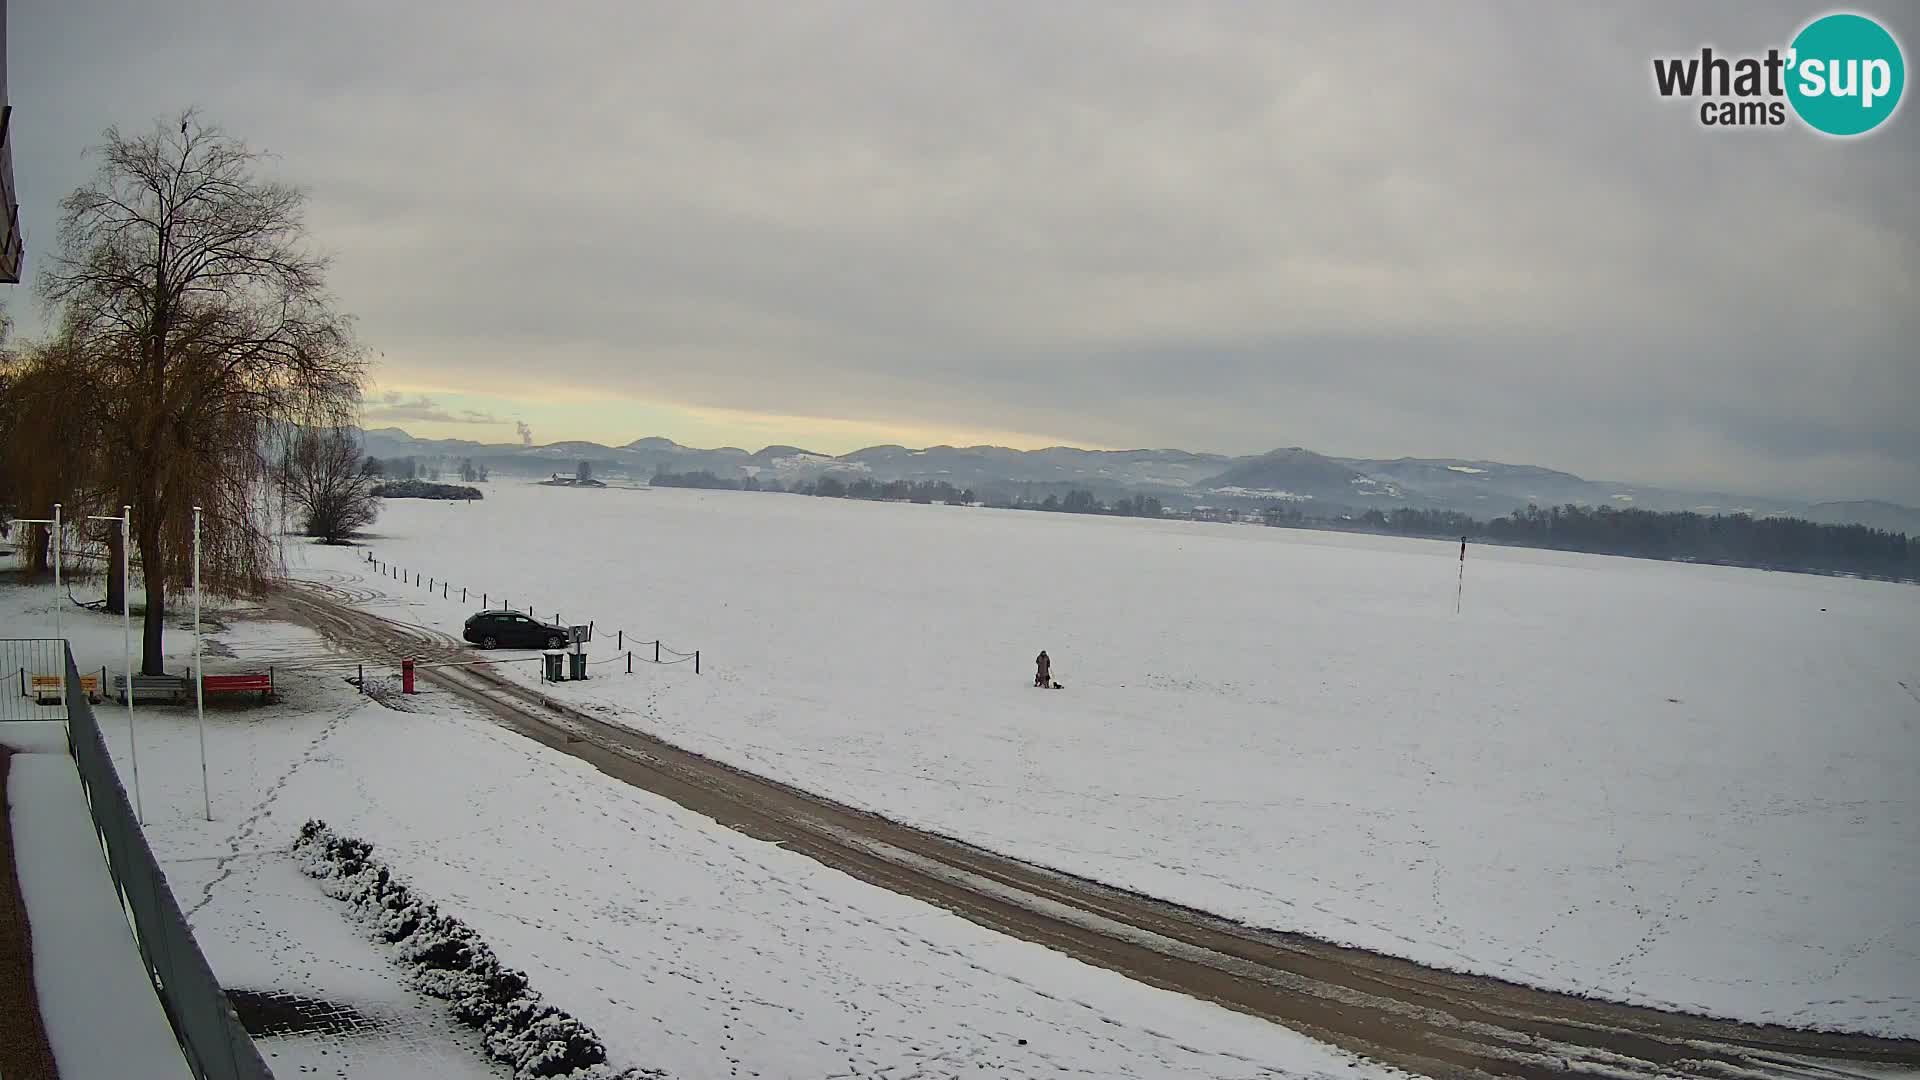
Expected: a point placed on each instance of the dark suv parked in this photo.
(513, 630)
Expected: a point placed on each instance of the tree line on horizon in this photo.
(394, 469)
(1777, 543)
(1781, 543)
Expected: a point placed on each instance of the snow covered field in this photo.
(1669, 784)
(687, 946)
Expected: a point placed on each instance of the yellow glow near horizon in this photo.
(564, 413)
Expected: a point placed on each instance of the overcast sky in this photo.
(1368, 229)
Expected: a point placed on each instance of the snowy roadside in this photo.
(689, 947)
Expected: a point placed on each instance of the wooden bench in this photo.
(47, 688)
(253, 682)
(171, 689)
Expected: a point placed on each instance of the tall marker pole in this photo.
(1460, 586)
(58, 593)
(199, 676)
(126, 644)
(59, 599)
(53, 537)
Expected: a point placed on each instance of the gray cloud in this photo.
(1377, 229)
(394, 406)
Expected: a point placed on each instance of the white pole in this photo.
(59, 600)
(1460, 586)
(59, 595)
(199, 679)
(53, 525)
(126, 642)
(126, 638)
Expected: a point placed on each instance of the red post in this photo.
(406, 675)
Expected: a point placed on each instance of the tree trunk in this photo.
(39, 565)
(116, 555)
(153, 567)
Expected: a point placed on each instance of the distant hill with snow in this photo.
(1320, 484)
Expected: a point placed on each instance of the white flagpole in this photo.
(199, 676)
(59, 594)
(59, 600)
(126, 638)
(53, 537)
(126, 644)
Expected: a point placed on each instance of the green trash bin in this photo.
(550, 665)
(576, 665)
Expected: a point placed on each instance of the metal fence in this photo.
(33, 673)
(216, 1045)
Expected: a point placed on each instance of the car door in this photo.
(526, 635)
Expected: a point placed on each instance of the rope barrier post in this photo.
(696, 661)
(445, 589)
(619, 639)
(656, 652)
(463, 594)
(362, 681)
(629, 661)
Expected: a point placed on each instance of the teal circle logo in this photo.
(1845, 74)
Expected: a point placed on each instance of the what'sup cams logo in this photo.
(1841, 75)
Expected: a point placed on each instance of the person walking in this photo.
(1043, 675)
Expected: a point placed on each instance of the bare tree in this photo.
(326, 481)
(187, 281)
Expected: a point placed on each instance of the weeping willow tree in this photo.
(186, 282)
(50, 445)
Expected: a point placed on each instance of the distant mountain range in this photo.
(1318, 484)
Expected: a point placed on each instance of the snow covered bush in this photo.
(447, 960)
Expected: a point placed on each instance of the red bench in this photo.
(242, 683)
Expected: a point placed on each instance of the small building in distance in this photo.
(570, 480)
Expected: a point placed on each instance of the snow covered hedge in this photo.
(449, 961)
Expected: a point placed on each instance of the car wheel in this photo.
(554, 642)
(488, 642)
